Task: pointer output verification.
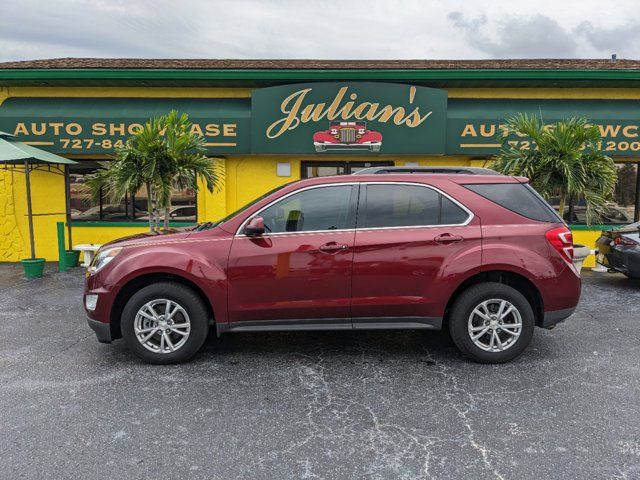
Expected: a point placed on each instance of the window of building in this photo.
(325, 208)
(325, 169)
(622, 209)
(131, 208)
(409, 205)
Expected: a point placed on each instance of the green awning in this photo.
(16, 153)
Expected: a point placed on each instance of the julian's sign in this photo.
(348, 118)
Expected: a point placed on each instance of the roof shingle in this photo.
(222, 64)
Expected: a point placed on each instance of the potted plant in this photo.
(564, 161)
(161, 156)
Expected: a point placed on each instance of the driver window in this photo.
(323, 208)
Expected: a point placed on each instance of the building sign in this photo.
(98, 125)
(474, 125)
(348, 118)
(316, 118)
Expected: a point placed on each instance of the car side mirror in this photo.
(255, 227)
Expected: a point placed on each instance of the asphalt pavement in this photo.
(339, 405)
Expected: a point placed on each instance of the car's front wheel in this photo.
(165, 323)
(491, 322)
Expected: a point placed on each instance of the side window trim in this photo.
(351, 215)
(363, 203)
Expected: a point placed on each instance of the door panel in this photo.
(301, 268)
(402, 269)
(296, 276)
(404, 272)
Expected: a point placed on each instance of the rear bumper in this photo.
(102, 330)
(552, 318)
(623, 261)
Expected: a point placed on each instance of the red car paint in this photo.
(363, 273)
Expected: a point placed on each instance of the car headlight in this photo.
(103, 258)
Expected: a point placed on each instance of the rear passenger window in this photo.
(408, 205)
(450, 213)
(519, 198)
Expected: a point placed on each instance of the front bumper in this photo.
(552, 318)
(322, 146)
(102, 330)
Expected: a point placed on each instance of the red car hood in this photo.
(152, 237)
(169, 235)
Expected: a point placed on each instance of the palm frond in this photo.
(564, 159)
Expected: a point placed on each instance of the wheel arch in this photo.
(507, 277)
(139, 282)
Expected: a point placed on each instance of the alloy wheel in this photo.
(495, 325)
(162, 326)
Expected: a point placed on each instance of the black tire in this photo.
(472, 297)
(183, 296)
(632, 277)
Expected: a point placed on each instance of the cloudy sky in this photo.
(332, 29)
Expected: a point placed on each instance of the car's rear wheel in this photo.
(165, 323)
(491, 322)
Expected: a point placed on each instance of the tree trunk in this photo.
(150, 206)
(156, 214)
(561, 206)
(154, 211)
(166, 217)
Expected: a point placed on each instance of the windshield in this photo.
(206, 225)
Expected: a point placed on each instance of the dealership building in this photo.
(270, 122)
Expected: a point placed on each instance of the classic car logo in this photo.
(347, 136)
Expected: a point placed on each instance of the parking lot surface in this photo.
(317, 405)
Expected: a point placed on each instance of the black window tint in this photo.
(518, 198)
(325, 208)
(405, 206)
(450, 213)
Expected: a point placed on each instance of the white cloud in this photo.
(332, 29)
(518, 36)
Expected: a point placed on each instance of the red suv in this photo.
(482, 255)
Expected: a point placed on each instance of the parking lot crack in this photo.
(454, 394)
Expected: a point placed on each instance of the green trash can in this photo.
(71, 258)
(33, 267)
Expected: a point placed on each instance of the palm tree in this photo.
(565, 160)
(161, 156)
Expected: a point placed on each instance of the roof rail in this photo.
(445, 170)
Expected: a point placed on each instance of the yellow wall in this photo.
(588, 238)
(48, 204)
(245, 177)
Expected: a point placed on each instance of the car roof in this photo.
(443, 170)
(415, 178)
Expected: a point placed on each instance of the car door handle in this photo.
(446, 238)
(332, 247)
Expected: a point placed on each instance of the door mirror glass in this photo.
(255, 227)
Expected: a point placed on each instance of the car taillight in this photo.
(562, 240)
(624, 241)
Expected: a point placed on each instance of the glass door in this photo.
(310, 169)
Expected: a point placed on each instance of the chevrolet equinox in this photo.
(481, 255)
